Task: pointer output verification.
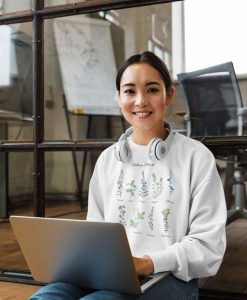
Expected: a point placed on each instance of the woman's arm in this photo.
(200, 252)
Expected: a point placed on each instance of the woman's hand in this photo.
(143, 265)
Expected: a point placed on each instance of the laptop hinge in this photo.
(18, 276)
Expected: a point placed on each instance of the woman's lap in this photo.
(59, 291)
(169, 288)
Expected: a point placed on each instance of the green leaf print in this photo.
(140, 216)
(131, 188)
(133, 223)
(137, 218)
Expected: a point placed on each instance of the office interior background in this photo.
(58, 61)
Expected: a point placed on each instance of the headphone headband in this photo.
(157, 147)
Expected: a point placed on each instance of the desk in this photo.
(225, 146)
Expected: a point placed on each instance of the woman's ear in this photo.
(169, 96)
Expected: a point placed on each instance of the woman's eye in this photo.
(128, 92)
(152, 90)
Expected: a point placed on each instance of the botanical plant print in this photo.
(138, 216)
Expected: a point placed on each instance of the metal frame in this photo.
(38, 146)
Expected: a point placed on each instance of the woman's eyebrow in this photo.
(128, 84)
(146, 84)
(152, 82)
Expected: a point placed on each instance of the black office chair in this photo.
(214, 107)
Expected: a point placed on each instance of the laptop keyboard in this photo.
(144, 279)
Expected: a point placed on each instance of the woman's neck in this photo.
(141, 137)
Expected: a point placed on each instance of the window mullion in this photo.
(38, 105)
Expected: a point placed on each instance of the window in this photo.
(214, 33)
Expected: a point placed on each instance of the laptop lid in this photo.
(87, 254)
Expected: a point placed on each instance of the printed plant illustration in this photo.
(151, 219)
(171, 183)
(165, 214)
(120, 184)
(122, 212)
(138, 216)
(143, 192)
(131, 188)
(157, 187)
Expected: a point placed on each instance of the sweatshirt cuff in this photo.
(164, 260)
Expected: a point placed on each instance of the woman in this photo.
(162, 186)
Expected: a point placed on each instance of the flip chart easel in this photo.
(88, 69)
(87, 63)
(80, 179)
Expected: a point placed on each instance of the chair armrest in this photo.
(187, 118)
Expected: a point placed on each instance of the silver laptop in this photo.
(87, 254)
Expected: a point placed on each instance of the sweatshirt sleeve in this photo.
(200, 252)
(95, 200)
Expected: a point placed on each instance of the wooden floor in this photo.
(231, 278)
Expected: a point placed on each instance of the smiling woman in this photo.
(143, 94)
(171, 205)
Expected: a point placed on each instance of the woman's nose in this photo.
(141, 100)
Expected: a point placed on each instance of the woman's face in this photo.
(143, 98)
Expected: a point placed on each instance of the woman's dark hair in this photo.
(151, 59)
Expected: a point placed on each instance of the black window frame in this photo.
(38, 145)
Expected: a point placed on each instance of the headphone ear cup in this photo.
(161, 150)
(157, 149)
(122, 148)
(124, 151)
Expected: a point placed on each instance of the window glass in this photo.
(16, 78)
(215, 33)
(64, 191)
(61, 2)
(82, 55)
(7, 6)
(67, 181)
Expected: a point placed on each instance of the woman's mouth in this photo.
(142, 114)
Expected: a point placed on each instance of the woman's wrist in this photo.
(149, 265)
(143, 265)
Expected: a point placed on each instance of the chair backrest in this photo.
(212, 101)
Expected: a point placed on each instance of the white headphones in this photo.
(157, 147)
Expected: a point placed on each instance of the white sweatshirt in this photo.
(173, 209)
